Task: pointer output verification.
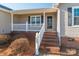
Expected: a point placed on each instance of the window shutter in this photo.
(69, 16)
(42, 19)
(28, 19)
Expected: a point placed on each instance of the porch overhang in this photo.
(35, 11)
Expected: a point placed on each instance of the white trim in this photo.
(75, 26)
(58, 27)
(11, 22)
(52, 21)
(6, 10)
(72, 16)
(24, 30)
(75, 7)
(19, 30)
(19, 24)
(44, 19)
(26, 25)
(34, 25)
(33, 30)
(35, 19)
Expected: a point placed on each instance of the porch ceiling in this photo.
(34, 11)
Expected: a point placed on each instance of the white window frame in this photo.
(35, 19)
(73, 17)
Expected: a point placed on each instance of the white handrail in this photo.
(27, 27)
(38, 39)
(19, 24)
(19, 27)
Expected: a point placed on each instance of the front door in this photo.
(49, 23)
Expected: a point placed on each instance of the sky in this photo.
(19, 6)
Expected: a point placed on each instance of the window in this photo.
(35, 20)
(75, 18)
(38, 20)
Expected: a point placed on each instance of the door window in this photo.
(49, 22)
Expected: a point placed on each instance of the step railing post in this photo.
(36, 44)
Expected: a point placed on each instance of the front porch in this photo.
(27, 22)
(34, 21)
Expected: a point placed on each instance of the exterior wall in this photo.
(5, 22)
(65, 29)
(22, 18)
(15, 19)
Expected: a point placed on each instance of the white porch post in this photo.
(26, 26)
(58, 26)
(44, 17)
(11, 21)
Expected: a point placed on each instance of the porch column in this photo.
(44, 17)
(26, 26)
(11, 21)
(58, 26)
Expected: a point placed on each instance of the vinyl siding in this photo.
(5, 22)
(65, 29)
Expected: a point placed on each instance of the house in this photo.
(53, 23)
